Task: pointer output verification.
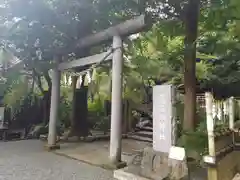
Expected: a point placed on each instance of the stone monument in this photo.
(164, 160)
(164, 118)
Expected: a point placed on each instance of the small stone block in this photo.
(43, 137)
(52, 147)
(177, 153)
(89, 139)
(113, 166)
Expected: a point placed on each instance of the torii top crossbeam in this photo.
(126, 28)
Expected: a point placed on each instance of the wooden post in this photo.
(210, 124)
(221, 112)
(116, 110)
(219, 115)
(212, 171)
(55, 98)
(214, 110)
(231, 113)
(225, 109)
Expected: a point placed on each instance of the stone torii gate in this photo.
(116, 33)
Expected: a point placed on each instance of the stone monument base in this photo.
(152, 165)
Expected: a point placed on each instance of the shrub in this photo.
(96, 107)
(65, 106)
(103, 124)
(65, 112)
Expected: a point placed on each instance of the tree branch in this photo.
(37, 77)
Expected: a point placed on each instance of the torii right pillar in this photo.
(116, 114)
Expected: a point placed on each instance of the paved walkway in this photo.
(27, 160)
(97, 152)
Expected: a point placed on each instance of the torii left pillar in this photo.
(116, 114)
(55, 99)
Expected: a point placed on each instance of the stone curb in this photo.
(104, 166)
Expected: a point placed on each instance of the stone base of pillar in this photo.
(114, 166)
(51, 147)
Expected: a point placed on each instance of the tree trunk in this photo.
(81, 128)
(191, 28)
(33, 85)
(46, 94)
(39, 82)
(79, 124)
(46, 106)
(79, 119)
(74, 84)
(45, 101)
(47, 98)
(49, 80)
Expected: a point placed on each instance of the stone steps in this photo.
(147, 128)
(139, 138)
(146, 134)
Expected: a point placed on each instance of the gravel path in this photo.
(27, 160)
